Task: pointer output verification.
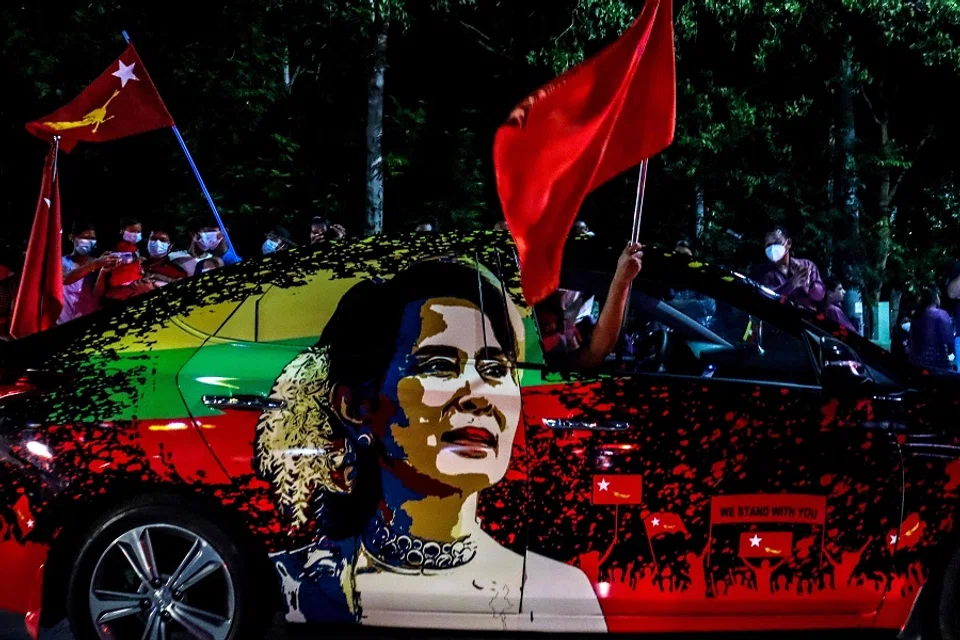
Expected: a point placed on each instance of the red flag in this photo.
(909, 535)
(617, 489)
(659, 524)
(121, 102)
(576, 133)
(766, 544)
(40, 297)
(25, 519)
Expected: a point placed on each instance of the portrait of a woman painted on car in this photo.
(393, 423)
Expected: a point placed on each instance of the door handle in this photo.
(244, 403)
(576, 425)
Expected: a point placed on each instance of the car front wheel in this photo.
(155, 571)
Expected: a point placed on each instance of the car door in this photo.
(697, 492)
(361, 485)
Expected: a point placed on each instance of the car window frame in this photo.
(797, 332)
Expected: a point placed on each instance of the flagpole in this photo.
(196, 173)
(53, 187)
(56, 156)
(638, 205)
(634, 237)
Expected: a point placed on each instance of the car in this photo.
(373, 432)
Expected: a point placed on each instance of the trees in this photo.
(828, 117)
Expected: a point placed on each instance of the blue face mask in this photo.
(269, 246)
(83, 246)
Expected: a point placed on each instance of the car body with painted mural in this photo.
(370, 432)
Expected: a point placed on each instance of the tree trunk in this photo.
(847, 185)
(374, 208)
(701, 208)
(881, 245)
(845, 182)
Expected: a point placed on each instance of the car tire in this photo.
(209, 585)
(949, 605)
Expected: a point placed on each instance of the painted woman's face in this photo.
(456, 397)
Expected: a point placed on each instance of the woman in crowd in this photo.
(206, 242)
(83, 275)
(931, 334)
(126, 279)
(277, 239)
(158, 267)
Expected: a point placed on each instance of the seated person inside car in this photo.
(565, 345)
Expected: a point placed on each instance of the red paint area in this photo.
(21, 565)
(718, 478)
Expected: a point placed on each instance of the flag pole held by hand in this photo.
(634, 238)
(638, 206)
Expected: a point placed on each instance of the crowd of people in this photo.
(924, 334)
(142, 258)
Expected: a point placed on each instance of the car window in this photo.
(674, 331)
(755, 349)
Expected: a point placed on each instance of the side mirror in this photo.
(842, 371)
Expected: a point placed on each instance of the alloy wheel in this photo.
(162, 582)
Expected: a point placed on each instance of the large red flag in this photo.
(121, 102)
(584, 128)
(40, 297)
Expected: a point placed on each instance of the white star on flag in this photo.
(29, 524)
(755, 540)
(656, 522)
(893, 539)
(603, 484)
(125, 73)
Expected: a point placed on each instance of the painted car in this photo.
(370, 432)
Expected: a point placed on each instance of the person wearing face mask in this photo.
(206, 241)
(277, 239)
(131, 232)
(129, 270)
(797, 279)
(900, 336)
(158, 267)
(83, 275)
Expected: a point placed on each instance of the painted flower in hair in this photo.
(298, 448)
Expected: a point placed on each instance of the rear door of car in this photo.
(710, 498)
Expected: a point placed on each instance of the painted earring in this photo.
(365, 440)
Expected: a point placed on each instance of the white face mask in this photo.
(157, 248)
(209, 240)
(133, 237)
(83, 246)
(906, 326)
(269, 246)
(775, 252)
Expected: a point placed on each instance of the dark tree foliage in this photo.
(834, 118)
